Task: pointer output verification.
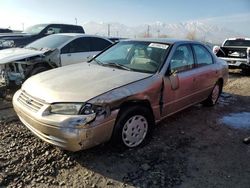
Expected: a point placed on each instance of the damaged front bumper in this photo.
(57, 129)
(2, 76)
(8, 76)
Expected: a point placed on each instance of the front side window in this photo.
(134, 55)
(35, 29)
(77, 46)
(202, 55)
(182, 59)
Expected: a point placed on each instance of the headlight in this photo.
(76, 109)
(88, 109)
(66, 108)
(7, 43)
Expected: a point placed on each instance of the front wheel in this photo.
(246, 71)
(133, 127)
(214, 95)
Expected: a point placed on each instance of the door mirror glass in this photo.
(50, 31)
(174, 80)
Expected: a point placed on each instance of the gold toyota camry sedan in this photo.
(120, 94)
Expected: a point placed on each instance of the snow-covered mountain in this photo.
(193, 29)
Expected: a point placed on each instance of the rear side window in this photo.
(182, 59)
(98, 44)
(237, 42)
(73, 29)
(77, 46)
(203, 56)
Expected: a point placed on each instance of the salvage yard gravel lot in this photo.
(198, 147)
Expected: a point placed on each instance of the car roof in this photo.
(238, 38)
(63, 24)
(161, 40)
(77, 35)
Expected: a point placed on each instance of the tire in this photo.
(245, 72)
(133, 127)
(214, 95)
(39, 69)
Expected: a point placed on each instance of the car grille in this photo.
(30, 102)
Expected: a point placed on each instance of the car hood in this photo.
(78, 83)
(15, 54)
(10, 36)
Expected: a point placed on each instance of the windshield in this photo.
(237, 42)
(35, 29)
(51, 42)
(134, 55)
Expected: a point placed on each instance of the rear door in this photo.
(76, 51)
(179, 85)
(206, 72)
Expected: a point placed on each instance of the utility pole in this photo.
(158, 31)
(76, 20)
(148, 31)
(108, 29)
(117, 33)
(23, 26)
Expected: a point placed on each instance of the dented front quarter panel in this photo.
(145, 90)
(148, 89)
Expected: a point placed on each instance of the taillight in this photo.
(216, 49)
(248, 55)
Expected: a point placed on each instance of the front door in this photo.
(180, 81)
(76, 51)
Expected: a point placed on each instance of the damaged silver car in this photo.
(17, 64)
(121, 94)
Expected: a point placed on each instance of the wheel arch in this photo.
(221, 82)
(125, 107)
(144, 103)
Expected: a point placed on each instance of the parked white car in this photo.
(17, 64)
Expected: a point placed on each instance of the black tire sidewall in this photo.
(209, 100)
(123, 117)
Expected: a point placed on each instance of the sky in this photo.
(232, 14)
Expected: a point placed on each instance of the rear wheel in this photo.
(214, 95)
(133, 127)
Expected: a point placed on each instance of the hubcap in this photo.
(134, 130)
(216, 93)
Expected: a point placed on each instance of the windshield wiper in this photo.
(97, 61)
(116, 65)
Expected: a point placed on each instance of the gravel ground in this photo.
(193, 148)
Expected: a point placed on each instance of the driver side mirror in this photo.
(174, 78)
(172, 72)
(50, 32)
